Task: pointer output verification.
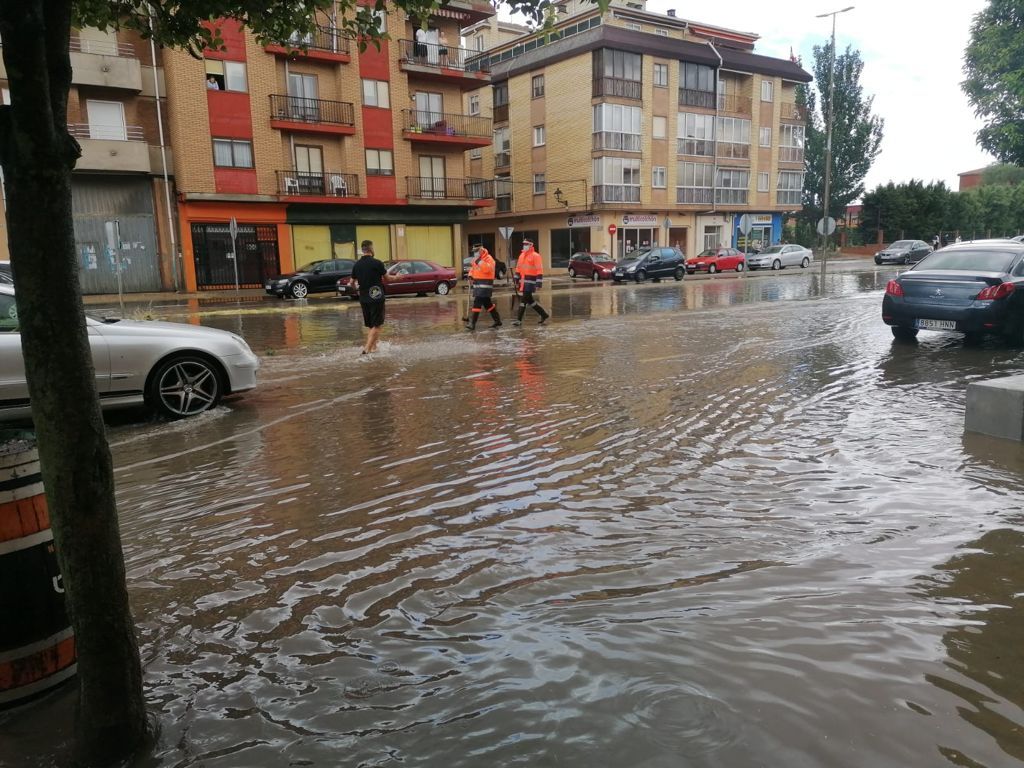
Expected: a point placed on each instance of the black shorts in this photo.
(373, 313)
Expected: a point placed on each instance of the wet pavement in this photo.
(726, 522)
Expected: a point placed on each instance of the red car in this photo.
(591, 265)
(717, 260)
(408, 276)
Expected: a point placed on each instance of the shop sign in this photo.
(590, 220)
(760, 218)
(640, 220)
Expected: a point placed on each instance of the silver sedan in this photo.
(176, 369)
(780, 257)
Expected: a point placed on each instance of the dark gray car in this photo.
(903, 252)
(654, 263)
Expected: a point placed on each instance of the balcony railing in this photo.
(502, 159)
(107, 132)
(697, 147)
(442, 56)
(329, 39)
(501, 113)
(617, 86)
(694, 98)
(318, 184)
(727, 196)
(446, 124)
(616, 193)
(302, 110)
(694, 195)
(791, 111)
(446, 188)
(732, 150)
(728, 102)
(101, 47)
(791, 154)
(624, 142)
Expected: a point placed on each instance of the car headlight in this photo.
(631, 269)
(283, 281)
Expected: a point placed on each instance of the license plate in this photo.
(936, 325)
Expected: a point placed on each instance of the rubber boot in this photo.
(543, 315)
(496, 318)
(519, 316)
(473, 317)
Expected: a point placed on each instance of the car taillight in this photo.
(893, 288)
(994, 292)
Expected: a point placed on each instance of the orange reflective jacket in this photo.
(482, 267)
(529, 269)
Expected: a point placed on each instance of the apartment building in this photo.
(633, 128)
(120, 198)
(313, 146)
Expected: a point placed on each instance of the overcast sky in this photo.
(913, 61)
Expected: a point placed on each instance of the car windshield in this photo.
(772, 249)
(902, 244)
(634, 255)
(968, 261)
(708, 252)
(311, 266)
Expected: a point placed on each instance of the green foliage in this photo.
(856, 133)
(994, 65)
(1003, 173)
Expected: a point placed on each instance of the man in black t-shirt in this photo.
(368, 276)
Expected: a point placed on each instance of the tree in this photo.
(856, 134)
(993, 63)
(1003, 173)
(909, 210)
(37, 155)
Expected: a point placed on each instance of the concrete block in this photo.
(996, 407)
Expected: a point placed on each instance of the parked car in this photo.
(591, 265)
(315, 277)
(655, 263)
(715, 260)
(174, 368)
(973, 288)
(408, 276)
(1018, 239)
(6, 276)
(903, 252)
(780, 257)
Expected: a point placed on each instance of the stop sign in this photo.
(612, 229)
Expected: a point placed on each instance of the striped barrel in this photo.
(37, 645)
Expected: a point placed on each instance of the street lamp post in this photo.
(828, 136)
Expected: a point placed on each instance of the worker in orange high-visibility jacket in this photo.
(531, 274)
(481, 275)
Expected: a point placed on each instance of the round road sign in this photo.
(612, 229)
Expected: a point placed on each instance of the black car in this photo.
(903, 252)
(655, 263)
(6, 276)
(972, 288)
(315, 277)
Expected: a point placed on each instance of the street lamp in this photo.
(828, 136)
(560, 198)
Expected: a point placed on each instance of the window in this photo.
(538, 86)
(376, 94)
(694, 182)
(231, 153)
(618, 127)
(500, 93)
(616, 179)
(697, 85)
(733, 186)
(539, 185)
(790, 187)
(734, 130)
(762, 181)
(379, 162)
(766, 137)
(767, 90)
(661, 31)
(660, 127)
(479, 42)
(474, 104)
(225, 75)
(381, 18)
(503, 193)
(623, 65)
(538, 135)
(502, 147)
(791, 143)
(661, 75)
(475, 154)
(712, 236)
(634, 26)
(696, 134)
(658, 177)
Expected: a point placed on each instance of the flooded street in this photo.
(719, 523)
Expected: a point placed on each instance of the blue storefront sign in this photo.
(765, 230)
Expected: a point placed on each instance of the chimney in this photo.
(671, 12)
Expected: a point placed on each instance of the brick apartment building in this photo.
(667, 128)
(313, 151)
(122, 234)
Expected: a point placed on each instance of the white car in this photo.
(174, 368)
(780, 257)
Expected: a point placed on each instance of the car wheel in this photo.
(594, 276)
(185, 386)
(712, 268)
(299, 290)
(805, 263)
(776, 265)
(678, 274)
(902, 333)
(442, 289)
(878, 261)
(640, 276)
(739, 266)
(572, 272)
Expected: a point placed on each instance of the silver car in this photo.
(176, 369)
(780, 257)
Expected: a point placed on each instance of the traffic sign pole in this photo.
(612, 229)
(233, 231)
(826, 226)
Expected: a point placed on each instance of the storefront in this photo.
(765, 230)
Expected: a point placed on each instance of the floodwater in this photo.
(724, 523)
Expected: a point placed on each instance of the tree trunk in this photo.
(37, 155)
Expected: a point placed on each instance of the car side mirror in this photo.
(317, 270)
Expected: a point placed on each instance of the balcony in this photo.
(730, 196)
(300, 115)
(791, 154)
(322, 44)
(503, 204)
(317, 184)
(502, 159)
(113, 148)
(104, 63)
(696, 147)
(444, 64)
(618, 87)
(615, 193)
(733, 151)
(622, 142)
(694, 195)
(736, 105)
(436, 188)
(690, 97)
(791, 111)
(445, 130)
(500, 113)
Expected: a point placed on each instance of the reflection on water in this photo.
(746, 535)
